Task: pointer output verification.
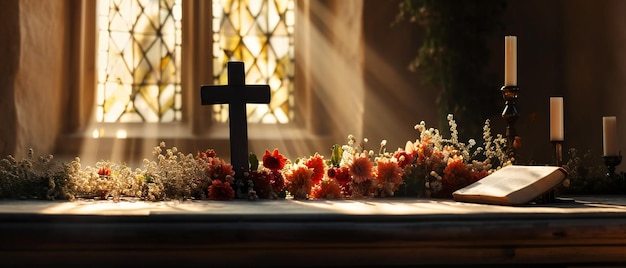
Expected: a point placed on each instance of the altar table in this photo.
(313, 233)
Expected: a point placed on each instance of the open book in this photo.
(512, 185)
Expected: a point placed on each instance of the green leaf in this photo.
(254, 162)
(335, 159)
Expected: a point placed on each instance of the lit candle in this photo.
(556, 119)
(510, 60)
(609, 131)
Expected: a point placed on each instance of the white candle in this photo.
(556, 119)
(609, 131)
(510, 60)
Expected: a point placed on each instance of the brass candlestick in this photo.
(510, 115)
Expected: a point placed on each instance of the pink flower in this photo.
(274, 161)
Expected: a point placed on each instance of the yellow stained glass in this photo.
(259, 33)
(139, 63)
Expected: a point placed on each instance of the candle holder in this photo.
(550, 196)
(558, 153)
(510, 115)
(611, 161)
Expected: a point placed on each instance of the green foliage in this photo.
(587, 175)
(335, 158)
(454, 54)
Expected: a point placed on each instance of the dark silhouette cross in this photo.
(236, 94)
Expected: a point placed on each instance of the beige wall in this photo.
(33, 95)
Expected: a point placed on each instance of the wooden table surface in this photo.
(314, 233)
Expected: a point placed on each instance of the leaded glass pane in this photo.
(139, 63)
(259, 33)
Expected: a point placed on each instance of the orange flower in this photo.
(317, 164)
(389, 175)
(327, 189)
(456, 175)
(219, 169)
(299, 181)
(104, 171)
(209, 153)
(361, 169)
(274, 161)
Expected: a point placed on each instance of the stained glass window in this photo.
(139, 61)
(261, 34)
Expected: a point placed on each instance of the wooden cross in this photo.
(236, 94)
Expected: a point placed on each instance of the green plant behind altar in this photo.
(454, 53)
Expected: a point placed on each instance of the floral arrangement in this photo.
(430, 166)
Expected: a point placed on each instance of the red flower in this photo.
(221, 191)
(104, 171)
(277, 181)
(331, 173)
(317, 164)
(327, 189)
(266, 183)
(274, 161)
(261, 181)
(342, 175)
(404, 158)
